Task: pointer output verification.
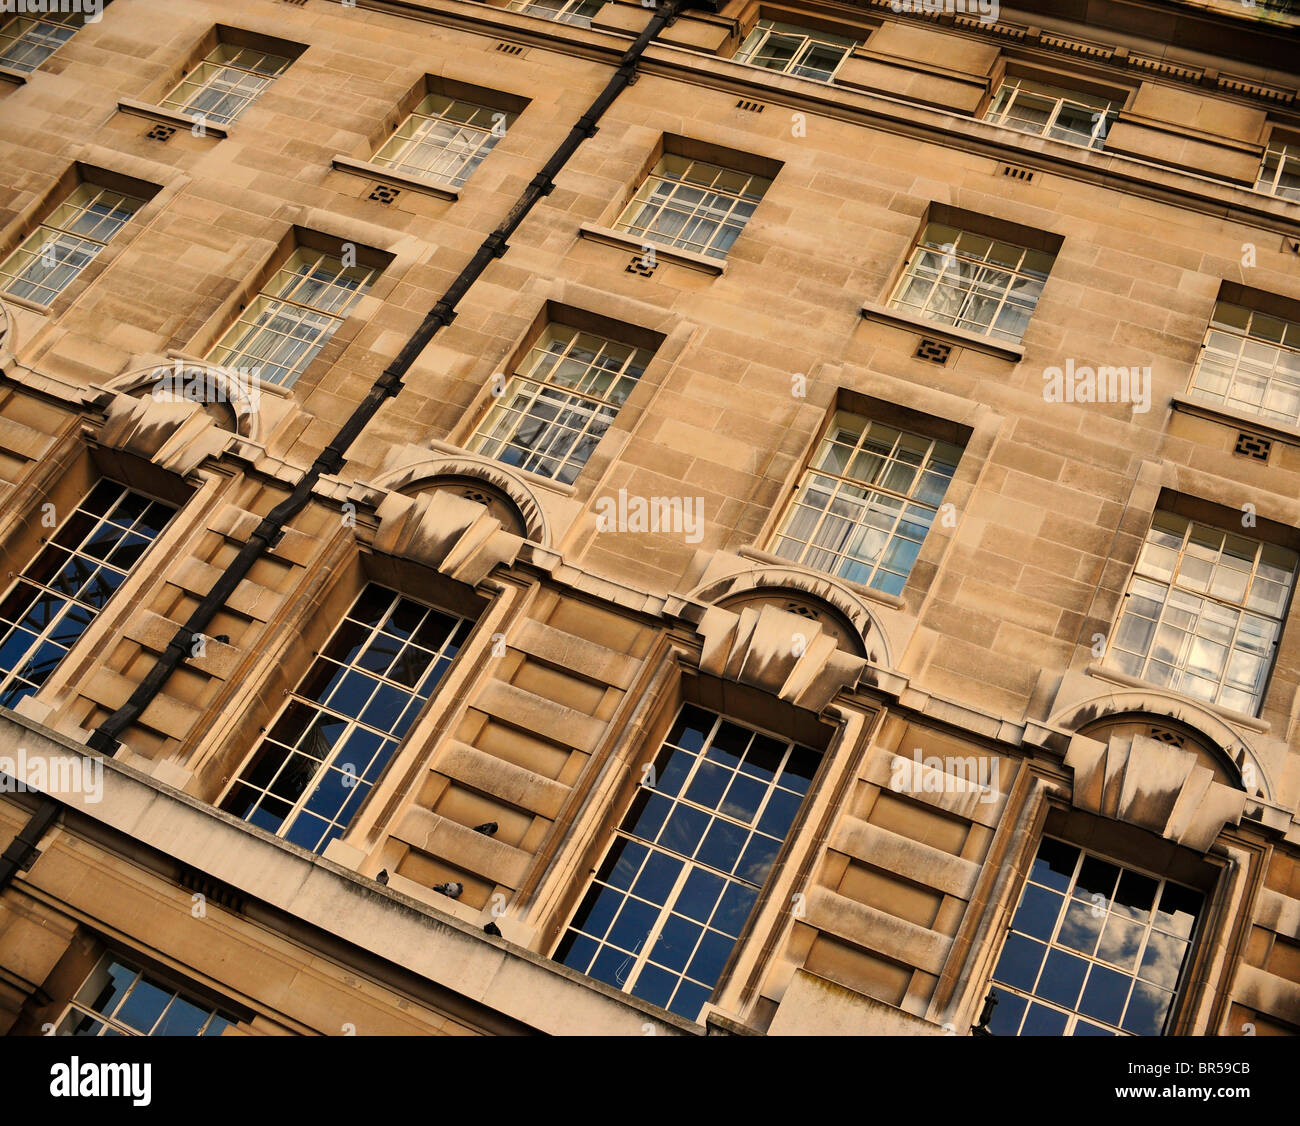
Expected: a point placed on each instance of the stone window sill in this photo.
(678, 257)
(24, 303)
(1237, 419)
(171, 117)
(949, 334)
(17, 77)
(394, 177)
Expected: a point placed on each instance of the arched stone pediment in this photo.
(173, 434)
(445, 532)
(1227, 748)
(840, 612)
(506, 496)
(229, 399)
(784, 654)
(1171, 734)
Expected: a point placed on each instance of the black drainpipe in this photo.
(104, 739)
(22, 849)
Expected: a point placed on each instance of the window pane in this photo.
(445, 138)
(551, 415)
(974, 282)
(1208, 627)
(855, 523)
(61, 591)
(284, 328)
(693, 866)
(67, 241)
(346, 719)
(692, 205)
(225, 83)
(1094, 940)
(118, 999)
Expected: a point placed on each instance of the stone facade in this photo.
(888, 905)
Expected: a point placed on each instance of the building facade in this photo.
(568, 516)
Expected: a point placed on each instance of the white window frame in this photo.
(74, 547)
(304, 303)
(1242, 347)
(1187, 581)
(1284, 156)
(81, 1007)
(40, 35)
(952, 271)
(584, 395)
(909, 454)
(455, 134)
(1015, 89)
(239, 75)
(712, 203)
(809, 40)
(576, 12)
(66, 241)
(633, 963)
(285, 757)
(1107, 909)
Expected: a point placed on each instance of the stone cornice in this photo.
(1146, 179)
(577, 40)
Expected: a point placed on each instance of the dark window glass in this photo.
(346, 718)
(684, 870)
(62, 590)
(118, 999)
(1094, 950)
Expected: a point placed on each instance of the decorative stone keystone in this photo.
(790, 656)
(1153, 785)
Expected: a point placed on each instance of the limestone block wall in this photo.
(588, 639)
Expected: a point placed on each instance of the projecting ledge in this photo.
(948, 334)
(678, 257)
(173, 118)
(1237, 419)
(393, 176)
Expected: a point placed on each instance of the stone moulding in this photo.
(870, 637)
(788, 656)
(233, 390)
(447, 533)
(1157, 706)
(177, 436)
(430, 471)
(1148, 783)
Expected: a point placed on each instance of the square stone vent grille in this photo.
(933, 350)
(1253, 446)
